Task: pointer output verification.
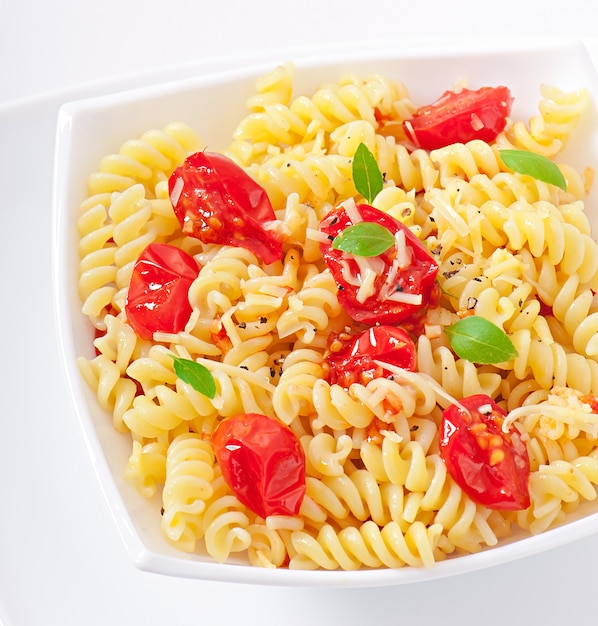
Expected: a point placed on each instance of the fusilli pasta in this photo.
(512, 249)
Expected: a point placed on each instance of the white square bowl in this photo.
(213, 105)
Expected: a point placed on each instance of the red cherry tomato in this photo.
(216, 201)
(263, 462)
(398, 293)
(157, 298)
(461, 116)
(491, 466)
(351, 359)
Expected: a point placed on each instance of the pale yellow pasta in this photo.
(187, 488)
(510, 248)
(366, 545)
(326, 454)
(267, 547)
(224, 523)
(114, 393)
(148, 159)
(556, 487)
(147, 466)
(548, 132)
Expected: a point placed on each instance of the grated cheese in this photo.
(405, 298)
(316, 235)
(401, 261)
(351, 211)
(348, 275)
(415, 379)
(176, 191)
(403, 257)
(476, 122)
(367, 287)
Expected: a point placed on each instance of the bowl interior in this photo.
(212, 105)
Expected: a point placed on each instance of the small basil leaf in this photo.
(367, 176)
(364, 239)
(534, 165)
(196, 375)
(478, 340)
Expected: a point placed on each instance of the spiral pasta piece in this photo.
(458, 376)
(187, 488)
(408, 169)
(465, 160)
(147, 160)
(367, 545)
(293, 395)
(430, 494)
(547, 133)
(329, 106)
(556, 487)
(224, 523)
(97, 271)
(146, 468)
(316, 178)
(574, 306)
(114, 393)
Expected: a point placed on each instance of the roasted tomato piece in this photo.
(459, 117)
(157, 298)
(350, 359)
(491, 466)
(216, 201)
(395, 286)
(263, 463)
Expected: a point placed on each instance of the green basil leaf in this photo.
(196, 375)
(364, 239)
(478, 340)
(534, 165)
(367, 176)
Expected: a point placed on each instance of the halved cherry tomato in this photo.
(263, 462)
(216, 201)
(398, 293)
(350, 359)
(491, 466)
(157, 298)
(459, 117)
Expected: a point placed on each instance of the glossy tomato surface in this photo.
(263, 463)
(352, 359)
(459, 117)
(157, 297)
(491, 466)
(216, 201)
(418, 280)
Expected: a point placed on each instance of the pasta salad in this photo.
(362, 335)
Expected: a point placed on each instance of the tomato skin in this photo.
(491, 466)
(157, 297)
(216, 201)
(418, 279)
(351, 359)
(263, 462)
(459, 117)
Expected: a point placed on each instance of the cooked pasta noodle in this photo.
(512, 249)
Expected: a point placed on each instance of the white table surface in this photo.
(61, 560)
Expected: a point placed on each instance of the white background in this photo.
(61, 560)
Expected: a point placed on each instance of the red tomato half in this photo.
(398, 293)
(216, 201)
(492, 467)
(459, 117)
(263, 462)
(157, 298)
(351, 359)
